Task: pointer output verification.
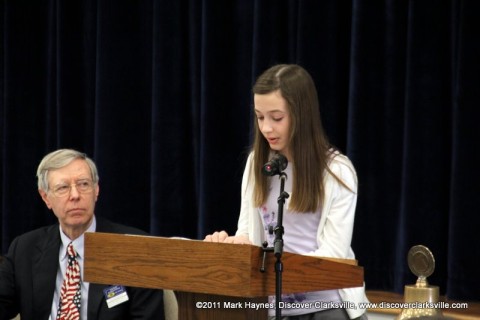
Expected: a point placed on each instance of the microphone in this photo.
(275, 166)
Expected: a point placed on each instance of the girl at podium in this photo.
(321, 182)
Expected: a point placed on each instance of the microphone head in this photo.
(276, 165)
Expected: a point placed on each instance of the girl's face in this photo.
(274, 120)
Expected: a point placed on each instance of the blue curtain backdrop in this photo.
(158, 93)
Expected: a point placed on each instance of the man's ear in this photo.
(45, 199)
(97, 191)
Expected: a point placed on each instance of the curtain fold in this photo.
(158, 93)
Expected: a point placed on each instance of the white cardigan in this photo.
(335, 228)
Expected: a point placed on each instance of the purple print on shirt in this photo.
(269, 223)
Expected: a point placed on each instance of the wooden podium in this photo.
(211, 280)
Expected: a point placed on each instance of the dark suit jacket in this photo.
(28, 273)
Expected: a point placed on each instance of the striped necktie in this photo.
(69, 306)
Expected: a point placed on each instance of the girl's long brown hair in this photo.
(308, 143)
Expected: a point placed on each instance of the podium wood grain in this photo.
(206, 267)
(214, 271)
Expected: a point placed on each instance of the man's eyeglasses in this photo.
(82, 186)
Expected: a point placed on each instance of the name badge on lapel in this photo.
(115, 295)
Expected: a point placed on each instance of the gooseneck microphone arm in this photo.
(271, 168)
(278, 247)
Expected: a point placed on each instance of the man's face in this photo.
(72, 196)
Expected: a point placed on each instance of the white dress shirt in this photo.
(79, 246)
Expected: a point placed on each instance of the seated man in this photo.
(41, 276)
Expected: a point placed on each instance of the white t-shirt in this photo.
(300, 237)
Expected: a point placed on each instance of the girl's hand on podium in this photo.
(238, 240)
(217, 236)
(222, 236)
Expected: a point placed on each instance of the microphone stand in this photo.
(278, 247)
